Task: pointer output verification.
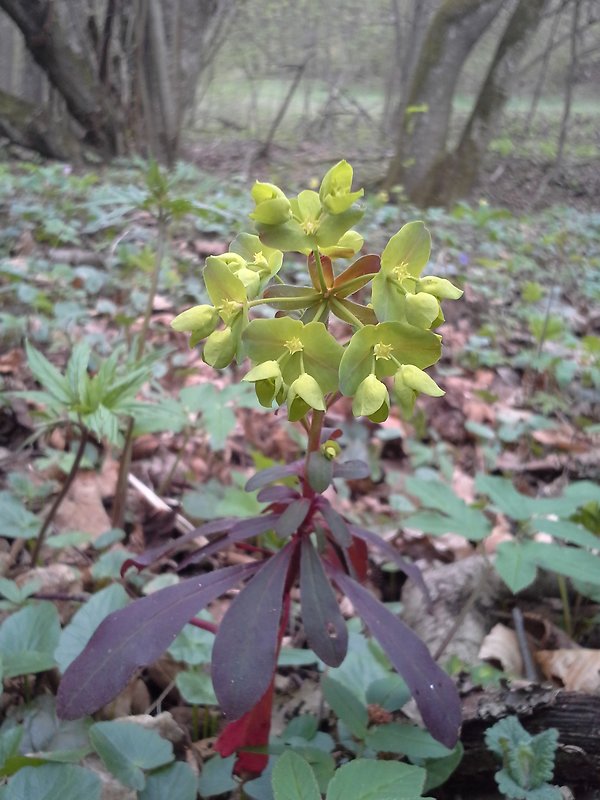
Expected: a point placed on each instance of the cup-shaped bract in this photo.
(200, 320)
(441, 288)
(304, 394)
(268, 382)
(272, 206)
(335, 191)
(371, 400)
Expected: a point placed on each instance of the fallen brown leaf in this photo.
(578, 670)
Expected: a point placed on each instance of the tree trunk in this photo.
(70, 72)
(25, 125)
(454, 175)
(455, 28)
(126, 70)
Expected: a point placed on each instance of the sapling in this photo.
(324, 342)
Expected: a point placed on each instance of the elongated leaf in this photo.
(433, 690)
(324, 625)
(272, 474)
(245, 649)
(568, 532)
(293, 779)
(243, 529)
(78, 632)
(319, 471)
(410, 740)
(293, 517)
(277, 494)
(135, 636)
(337, 524)
(50, 378)
(154, 554)
(413, 572)
(347, 706)
(364, 267)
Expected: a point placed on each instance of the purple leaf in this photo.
(324, 625)
(433, 690)
(277, 473)
(242, 529)
(135, 636)
(293, 517)
(245, 648)
(353, 469)
(337, 524)
(148, 557)
(319, 471)
(413, 572)
(277, 494)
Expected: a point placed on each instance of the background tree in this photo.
(125, 72)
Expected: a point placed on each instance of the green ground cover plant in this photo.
(51, 302)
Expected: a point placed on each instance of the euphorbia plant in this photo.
(300, 360)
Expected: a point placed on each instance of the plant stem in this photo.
(166, 481)
(564, 596)
(320, 272)
(118, 511)
(161, 246)
(314, 433)
(60, 496)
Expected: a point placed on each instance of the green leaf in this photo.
(390, 693)
(17, 521)
(84, 622)
(366, 779)
(293, 779)
(440, 769)
(515, 564)
(570, 561)
(49, 377)
(126, 749)
(216, 776)
(10, 740)
(222, 285)
(567, 531)
(196, 688)
(193, 645)
(409, 740)
(54, 782)
(176, 781)
(504, 496)
(28, 640)
(346, 706)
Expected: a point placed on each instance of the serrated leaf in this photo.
(366, 779)
(324, 625)
(245, 649)
(293, 779)
(78, 632)
(135, 636)
(346, 706)
(54, 782)
(127, 749)
(433, 690)
(28, 639)
(176, 780)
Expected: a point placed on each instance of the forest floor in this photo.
(508, 458)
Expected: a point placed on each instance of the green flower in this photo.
(439, 287)
(303, 394)
(220, 348)
(268, 383)
(335, 188)
(372, 400)
(408, 382)
(272, 206)
(199, 320)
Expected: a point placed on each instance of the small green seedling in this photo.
(527, 761)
